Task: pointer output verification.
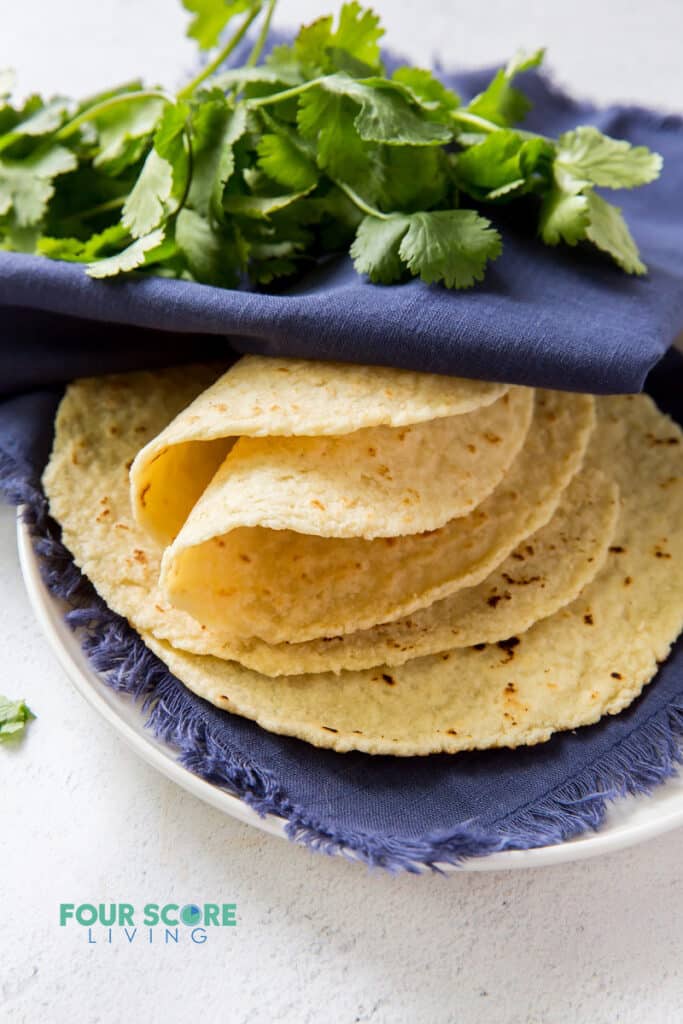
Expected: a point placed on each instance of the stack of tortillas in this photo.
(375, 559)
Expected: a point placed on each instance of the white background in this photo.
(81, 819)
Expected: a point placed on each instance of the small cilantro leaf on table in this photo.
(14, 717)
(257, 171)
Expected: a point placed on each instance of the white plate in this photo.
(629, 821)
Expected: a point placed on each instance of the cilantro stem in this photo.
(222, 55)
(464, 117)
(262, 36)
(93, 211)
(286, 94)
(100, 108)
(358, 201)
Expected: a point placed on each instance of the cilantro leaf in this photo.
(14, 717)
(385, 114)
(587, 157)
(564, 218)
(212, 16)
(26, 186)
(151, 248)
(215, 127)
(358, 34)
(157, 190)
(608, 231)
(504, 162)
(124, 133)
(452, 246)
(375, 248)
(326, 120)
(99, 245)
(501, 102)
(259, 206)
(320, 49)
(149, 202)
(409, 178)
(210, 256)
(284, 161)
(428, 91)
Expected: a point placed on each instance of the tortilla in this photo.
(271, 397)
(590, 659)
(376, 482)
(282, 585)
(544, 573)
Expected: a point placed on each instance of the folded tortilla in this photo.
(266, 398)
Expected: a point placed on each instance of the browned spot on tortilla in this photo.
(510, 688)
(616, 675)
(143, 495)
(654, 440)
(617, 549)
(452, 732)
(521, 581)
(588, 619)
(628, 580)
(245, 558)
(389, 680)
(328, 728)
(492, 438)
(509, 647)
(478, 647)
(139, 556)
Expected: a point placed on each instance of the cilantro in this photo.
(500, 102)
(452, 246)
(153, 247)
(257, 171)
(26, 186)
(587, 157)
(607, 230)
(212, 16)
(14, 717)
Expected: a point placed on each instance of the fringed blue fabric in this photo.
(533, 797)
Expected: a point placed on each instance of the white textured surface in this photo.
(82, 819)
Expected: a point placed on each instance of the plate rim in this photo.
(163, 757)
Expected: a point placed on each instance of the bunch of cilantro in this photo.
(257, 172)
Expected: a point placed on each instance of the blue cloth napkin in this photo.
(542, 317)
